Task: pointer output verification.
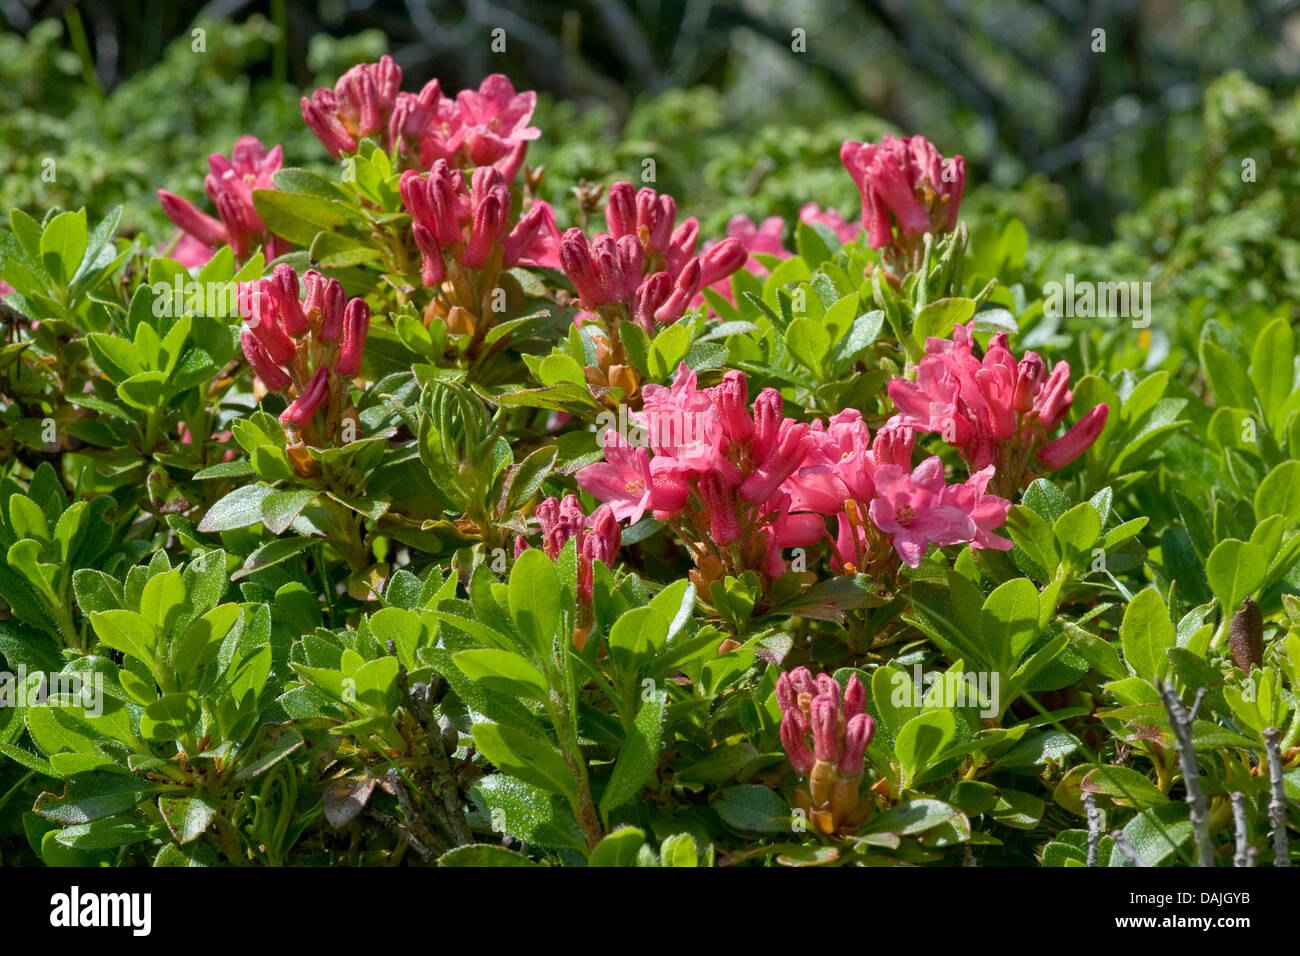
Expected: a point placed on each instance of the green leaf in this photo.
(170, 717)
(188, 818)
(636, 637)
(620, 848)
(298, 217)
(534, 594)
(1078, 530)
(921, 740)
(916, 816)
(1009, 621)
(1146, 633)
(483, 854)
(808, 342)
(525, 756)
(63, 243)
(1279, 493)
(1227, 379)
(638, 755)
(1235, 570)
(239, 509)
(753, 809)
(1272, 370)
(128, 632)
(1126, 787)
(281, 508)
(937, 319)
(92, 797)
(503, 671)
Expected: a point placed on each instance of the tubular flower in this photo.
(229, 184)
(840, 731)
(656, 284)
(483, 127)
(995, 410)
(309, 347)
(908, 179)
(716, 475)
(458, 227)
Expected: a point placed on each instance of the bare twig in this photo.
(1181, 721)
(1096, 819)
(1245, 853)
(1126, 848)
(1277, 799)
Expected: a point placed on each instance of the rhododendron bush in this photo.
(385, 510)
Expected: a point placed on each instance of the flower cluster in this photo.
(739, 487)
(307, 346)
(483, 127)
(995, 410)
(453, 222)
(229, 184)
(880, 503)
(908, 178)
(645, 268)
(716, 475)
(596, 538)
(840, 730)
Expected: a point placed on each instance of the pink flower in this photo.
(230, 185)
(680, 421)
(906, 178)
(483, 127)
(914, 509)
(839, 725)
(658, 283)
(994, 410)
(845, 231)
(535, 240)
(622, 481)
(495, 120)
(301, 409)
(988, 512)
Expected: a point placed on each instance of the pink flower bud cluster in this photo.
(483, 127)
(644, 268)
(229, 184)
(286, 337)
(597, 537)
(995, 410)
(839, 729)
(908, 178)
(466, 224)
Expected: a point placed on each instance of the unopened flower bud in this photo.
(332, 306)
(272, 376)
(356, 323)
(301, 410)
